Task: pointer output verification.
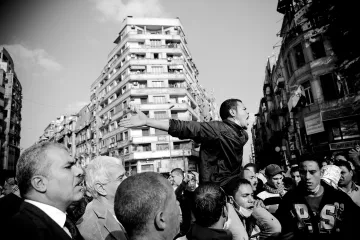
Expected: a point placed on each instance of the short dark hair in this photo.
(307, 157)
(294, 169)
(209, 203)
(343, 163)
(33, 161)
(253, 165)
(178, 171)
(341, 154)
(137, 200)
(233, 185)
(226, 106)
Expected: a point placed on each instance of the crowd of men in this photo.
(52, 197)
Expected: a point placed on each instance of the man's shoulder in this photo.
(89, 214)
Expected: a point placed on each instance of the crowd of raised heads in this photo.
(53, 197)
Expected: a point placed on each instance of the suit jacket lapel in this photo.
(107, 222)
(43, 220)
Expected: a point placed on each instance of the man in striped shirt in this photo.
(273, 189)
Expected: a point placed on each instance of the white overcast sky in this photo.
(61, 46)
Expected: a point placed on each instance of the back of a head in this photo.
(138, 199)
(209, 203)
(34, 161)
(226, 106)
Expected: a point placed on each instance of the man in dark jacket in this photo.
(222, 142)
(313, 210)
(211, 214)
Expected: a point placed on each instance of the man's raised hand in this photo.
(137, 119)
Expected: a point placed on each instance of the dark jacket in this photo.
(200, 233)
(221, 150)
(32, 223)
(9, 206)
(186, 201)
(338, 216)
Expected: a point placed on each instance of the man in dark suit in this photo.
(49, 181)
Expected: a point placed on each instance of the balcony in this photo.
(142, 36)
(147, 91)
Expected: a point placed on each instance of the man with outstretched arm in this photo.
(222, 142)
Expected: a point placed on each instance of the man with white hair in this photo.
(103, 176)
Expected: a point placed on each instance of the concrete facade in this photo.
(151, 68)
(10, 114)
(308, 107)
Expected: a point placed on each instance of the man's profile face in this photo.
(346, 176)
(310, 174)
(296, 177)
(175, 179)
(117, 175)
(276, 180)
(191, 186)
(64, 177)
(251, 177)
(242, 115)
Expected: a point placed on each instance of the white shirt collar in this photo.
(55, 214)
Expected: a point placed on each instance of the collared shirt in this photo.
(354, 193)
(55, 214)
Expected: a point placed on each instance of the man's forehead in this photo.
(245, 188)
(309, 165)
(248, 173)
(240, 104)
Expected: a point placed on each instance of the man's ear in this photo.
(160, 221)
(100, 189)
(39, 183)
(232, 112)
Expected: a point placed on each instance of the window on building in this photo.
(145, 132)
(155, 43)
(143, 147)
(143, 100)
(308, 93)
(331, 87)
(158, 84)
(288, 65)
(119, 137)
(299, 55)
(159, 99)
(345, 129)
(156, 56)
(160, 115)
(318, 49)
(112, 140)
(157, 69)
(147, 168)
(112, 112)
(162, 147)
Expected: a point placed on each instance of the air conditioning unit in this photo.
(132, 26)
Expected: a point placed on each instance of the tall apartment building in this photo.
(310, 105)
(10, 117)
(150, 67)
(84, 130)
